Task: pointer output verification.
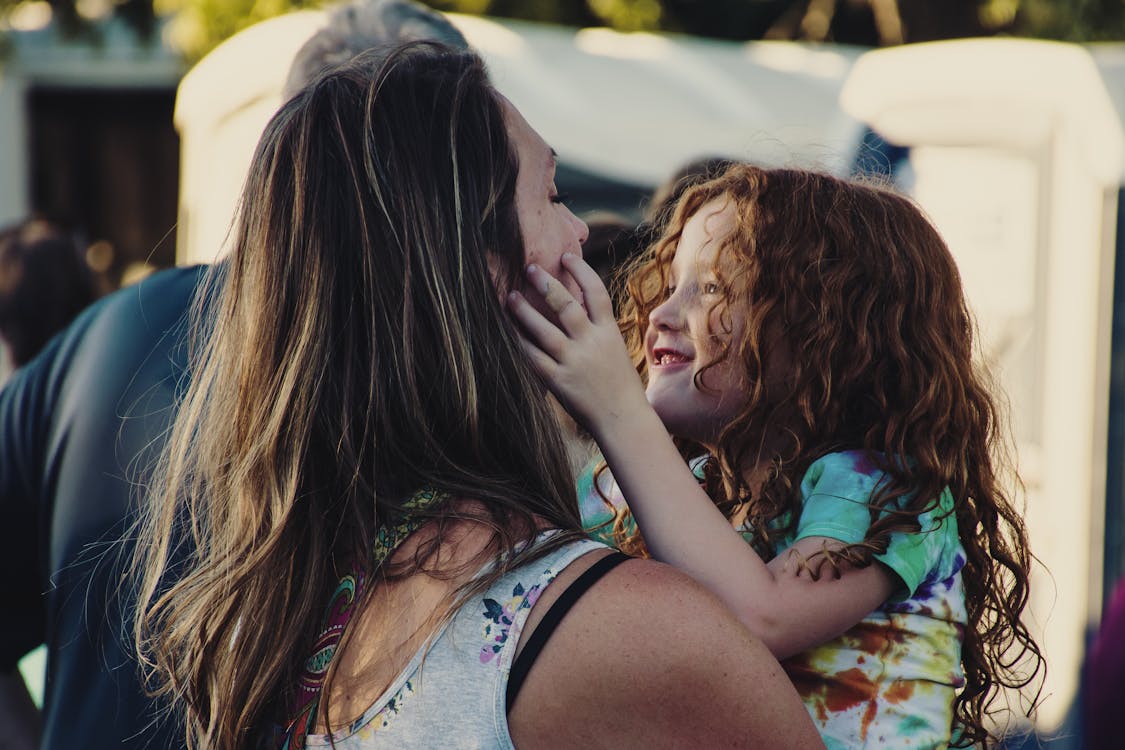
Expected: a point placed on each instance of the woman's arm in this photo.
(586, 366)
(648, 658)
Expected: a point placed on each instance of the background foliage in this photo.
(195, 26)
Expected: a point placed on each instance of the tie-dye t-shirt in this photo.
(890, 680)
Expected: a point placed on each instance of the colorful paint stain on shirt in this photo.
(890, 680)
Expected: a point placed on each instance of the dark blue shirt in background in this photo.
(80, 427)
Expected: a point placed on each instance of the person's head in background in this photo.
(364, 26)
(44, 284)
(612, 243)
(658, 211)
(359, 353)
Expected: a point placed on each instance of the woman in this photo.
(360, 396)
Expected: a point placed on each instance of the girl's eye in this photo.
(563, 198)
(669, 291)
(711, 288)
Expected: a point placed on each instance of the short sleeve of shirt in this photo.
(836, 490)
(597, 497)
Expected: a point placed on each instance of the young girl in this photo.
(807, 343)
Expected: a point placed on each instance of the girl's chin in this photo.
(677, 423)
(685, 421)
(657, 404)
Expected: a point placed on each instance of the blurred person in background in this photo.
(1104, 678)
(663, 200)
(44, 284)
(612, 243)
(80, 427)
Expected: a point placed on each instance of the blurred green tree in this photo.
(199, 25)
(74, 17)
(1069, 20)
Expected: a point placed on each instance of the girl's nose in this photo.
(666, 315)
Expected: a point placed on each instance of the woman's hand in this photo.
(582, 358)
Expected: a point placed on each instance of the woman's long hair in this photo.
(355, 351)
(856, 292)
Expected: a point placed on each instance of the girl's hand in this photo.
(583, 357)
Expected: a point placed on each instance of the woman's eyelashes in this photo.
(563, 198)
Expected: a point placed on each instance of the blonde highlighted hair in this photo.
(354, 351)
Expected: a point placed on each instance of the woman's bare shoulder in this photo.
(648, 656)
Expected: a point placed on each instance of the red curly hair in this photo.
(859, 287)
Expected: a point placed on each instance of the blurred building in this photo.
(86, 137)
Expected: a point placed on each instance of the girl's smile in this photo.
(665, 358)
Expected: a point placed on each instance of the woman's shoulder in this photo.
(648, 653)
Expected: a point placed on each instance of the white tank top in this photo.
(452, 695)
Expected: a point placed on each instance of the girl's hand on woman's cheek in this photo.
(583, 359)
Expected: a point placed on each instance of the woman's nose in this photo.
(581, 229)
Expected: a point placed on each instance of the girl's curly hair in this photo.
(855, 291)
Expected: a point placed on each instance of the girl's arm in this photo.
(587, 367)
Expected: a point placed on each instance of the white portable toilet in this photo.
(222, 106)
(1017, 155)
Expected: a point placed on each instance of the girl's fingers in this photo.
(542, 363)
(539, 331)
(599, 306)
(559, 299)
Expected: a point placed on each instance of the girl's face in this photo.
(688, 331)
(548, 228)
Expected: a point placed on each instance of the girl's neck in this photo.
(757, 465)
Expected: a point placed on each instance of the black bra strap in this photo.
(535, 642)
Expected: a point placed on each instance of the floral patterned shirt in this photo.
(453, 692)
